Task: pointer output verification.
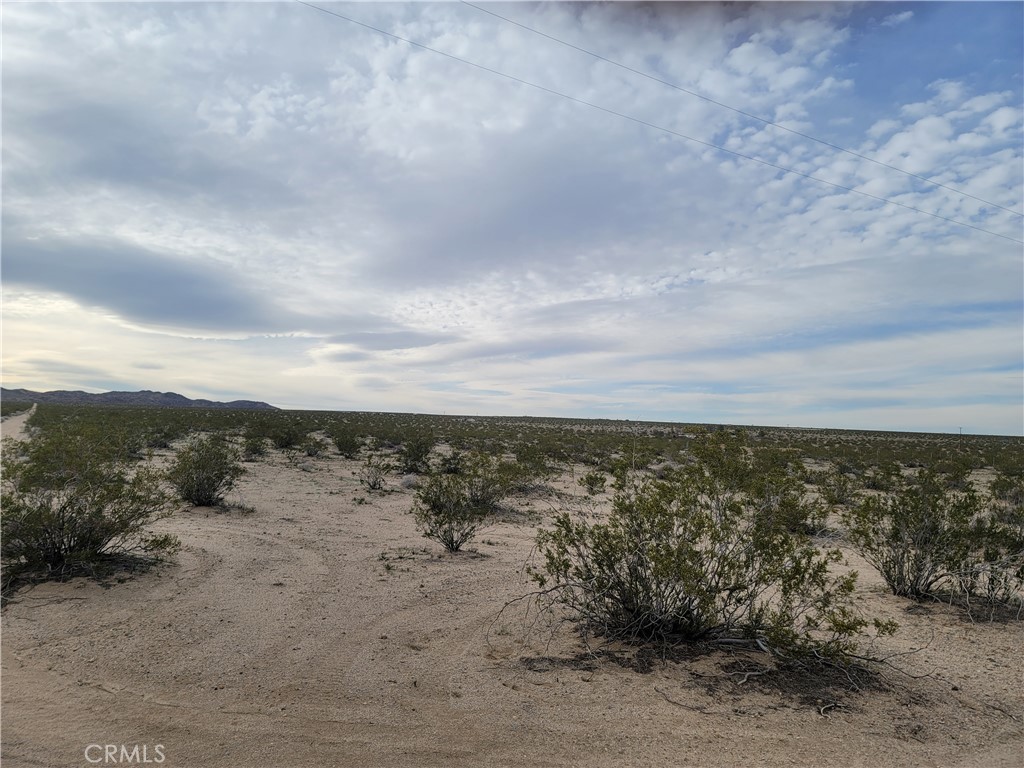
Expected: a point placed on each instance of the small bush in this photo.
(489, 480)
(347, 443)
(927, 539)
(452, 463)
(1008, 488)
(445, 512)
(709, 555)
(205, 470)
(373, 472)
(71, 505)
(313, 446)
(416, 455)
(287, 436)
(836, 488)
(593, 482)
(253, 447)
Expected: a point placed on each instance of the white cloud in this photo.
(392, 229)
(895, 19)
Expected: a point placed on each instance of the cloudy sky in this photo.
(266, 201)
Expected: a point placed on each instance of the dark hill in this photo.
(143, 398)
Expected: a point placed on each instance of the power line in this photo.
(741, 112)
(653, 125)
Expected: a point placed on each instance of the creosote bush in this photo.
(928, 539)
(253, 447)
(204, 470)
(73, 502)
(373, 473)
(593, 482)
(445, 512)
(347, 443)
(313, 446)
(415, 456)
(714, 553)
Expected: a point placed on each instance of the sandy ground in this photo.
(322, 631)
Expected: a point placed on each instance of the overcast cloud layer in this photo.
(265, 201)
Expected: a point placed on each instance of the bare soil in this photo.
(320, 629)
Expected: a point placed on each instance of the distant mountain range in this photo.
(144, 398)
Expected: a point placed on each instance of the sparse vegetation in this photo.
(593, 482)
(205, 470)
(930, 538)
(11, 407)
(446, 513)
(373, 473)
(313, 446)
(415, 457)
(254, 447)
(347, 443)
(713, 554)
(76, 503)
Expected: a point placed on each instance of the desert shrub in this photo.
(415, 456)
(313, 446)
(709, 555)
(162, 437)
(452, 463)
(882, 478)
(445, 512)
(489, 480)
(253, 447)
(69, 509)
(373, 472)
(204, 470)
(538, 460)
(1008, 488)
(593, 482)
(347, 443)
(836, 488)
(285, 436)
(10, 407)
(993, 573)
(927, 540)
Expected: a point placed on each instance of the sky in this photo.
(267, 201)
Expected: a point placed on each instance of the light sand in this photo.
(281, 638)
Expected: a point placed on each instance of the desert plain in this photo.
(310, 624)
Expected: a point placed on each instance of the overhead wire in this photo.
(742, 112)
(655, 126)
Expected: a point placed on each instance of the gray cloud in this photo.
(45, 365)
(388, 340)
(156, 289)
(142, 285)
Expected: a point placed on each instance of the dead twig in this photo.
(670, 700)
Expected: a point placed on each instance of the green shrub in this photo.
(1008, 488)
(205, 470)
(71, 505)
(10, 407)
(416, 455)
(927, 539)
(489, 480)
(836, 488)
(373, 472)
(347, 443)
(708, 555)
(253, 447)
(287, 436)
(452, 463)
(593, 482)
(446, 513)
(313, 446)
